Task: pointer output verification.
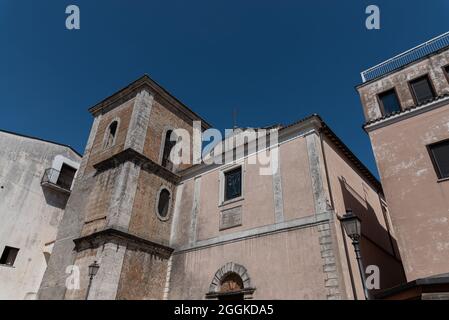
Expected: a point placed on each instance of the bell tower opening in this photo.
(168, 146)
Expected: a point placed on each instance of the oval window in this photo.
(163, 204)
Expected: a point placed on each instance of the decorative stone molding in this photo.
(230, 267)
(119, 237)
(130, 155)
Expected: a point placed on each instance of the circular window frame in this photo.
(170, 201)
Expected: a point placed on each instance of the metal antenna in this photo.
(234, 118)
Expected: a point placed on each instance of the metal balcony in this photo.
(53, 179)
(409, 56)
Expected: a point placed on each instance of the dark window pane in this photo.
(168, 145)
(422, 90)
(440, 154)
(66, 176)
(9, 256)
(164, 201)
(390, 101)
(233, 184)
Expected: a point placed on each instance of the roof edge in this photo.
(316, 121)
(143, 81)
(42, 140)
(351, 156)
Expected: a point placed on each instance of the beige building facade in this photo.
(407, 119)
(207, 231)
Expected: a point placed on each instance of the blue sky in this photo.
(274, 61)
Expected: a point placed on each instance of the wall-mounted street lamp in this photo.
(353, 228)
(93, 269)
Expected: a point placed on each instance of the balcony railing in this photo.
(52, 178)
(409, 56)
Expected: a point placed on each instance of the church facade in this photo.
(214, 231)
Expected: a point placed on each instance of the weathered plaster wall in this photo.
(258, 200)
(296, 180)
(418, 202)
(29, 213)
(433, 66)
(285, 265)
(351, 191)
(196, 235)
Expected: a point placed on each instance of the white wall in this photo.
(29, 213)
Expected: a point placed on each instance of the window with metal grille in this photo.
(9, 256)
(233, 184)
(389, 102)
(422, 90)
(440, 157)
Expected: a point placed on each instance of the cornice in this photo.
(146, 83)
(119, 237)
(130, 155)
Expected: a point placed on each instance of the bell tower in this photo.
(120, 211)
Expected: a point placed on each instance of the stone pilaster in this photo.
(122, 200)
(331, 281)
(140, 118)
(315, 162)
(195, 210)
(277, 188)
(90, 141)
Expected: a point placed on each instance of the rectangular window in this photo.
(440, 157)
(9, 256)
(233, 184)
(446, 72)
(422, 90)
(389, 102)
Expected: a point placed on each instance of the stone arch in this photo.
(226, 270)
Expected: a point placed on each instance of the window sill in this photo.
(7, 266)
(443, 180)
(227, 202)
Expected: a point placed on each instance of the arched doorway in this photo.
(231, 282)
